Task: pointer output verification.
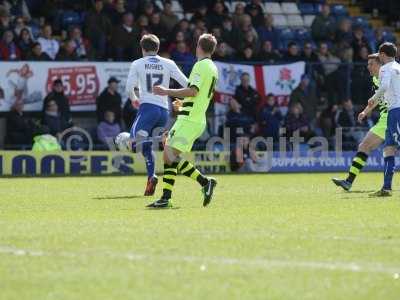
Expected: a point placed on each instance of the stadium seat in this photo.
(290, 8)
(229, 5)
(302, 35)
(286, 36)
(388, 36)
(180, 15)
(273, 8)
(295, 21)
(280, 21)
(308, 19)
(69, 18)
(159, 4)
(307, 8)
(176, 7)
(360, 21)
(339, 10)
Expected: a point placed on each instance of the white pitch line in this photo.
(255, 263)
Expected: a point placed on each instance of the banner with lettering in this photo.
(28, 163)
(83, 81)
(30, 82)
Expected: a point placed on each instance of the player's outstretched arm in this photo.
(177, 93)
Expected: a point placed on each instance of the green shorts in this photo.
(183, 134)
(380, 127)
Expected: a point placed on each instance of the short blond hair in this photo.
(207, 43)
(150, 42)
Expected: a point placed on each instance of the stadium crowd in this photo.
(47, 30)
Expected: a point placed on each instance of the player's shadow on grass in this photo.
(118, 197)
(362, 192)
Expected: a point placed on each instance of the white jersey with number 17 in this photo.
(150, 71)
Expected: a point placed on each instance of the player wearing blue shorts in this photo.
(146, 72)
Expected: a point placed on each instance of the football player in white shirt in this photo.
(146, 72)
(389, 88)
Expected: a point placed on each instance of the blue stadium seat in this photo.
(360, 21)
(307, 9)
(388, 36)
(287, 35)
(70, 18)
(302, 35)
(339, 10)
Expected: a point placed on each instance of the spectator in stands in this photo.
(347, 119)
(19, 126)
(82, 45)
(270, 118)
(149, 9)
(308, 54)
(292, 54)
(115, 12)
(323, 26)
(157, 28)
(347, 116)
(183, 55)
(379, 38)
(228, 32)
(129, 113)
(184, 26)
(109, 100)
(247, 97)
(343, 35)
(57, 95)
(327, 120)
(250, 41)
(5, 21)
(238, 13)
(200, 13)
(305, 95)
(179, 37)
(19, 25)
(36, 53)
(8, 48)
(53, 120)
(168, 18)
(268, 54)
(267, 31)
(254, 9)
(98, 29)
(332, 84)
(142, 23)
(217, 15)
(222, 52)
(108, 129)
(359, 41)
(243, 158)
(247, 55)
(67, 52)
(244, 31)
(296, 120)
(237, 121)
(360, 78)
(17, 8)
(49, 44)
(126, 39)
(25, 43)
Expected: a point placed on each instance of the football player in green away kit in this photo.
(190, 123)
(375, 136)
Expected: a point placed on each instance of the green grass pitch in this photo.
(286, 236)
